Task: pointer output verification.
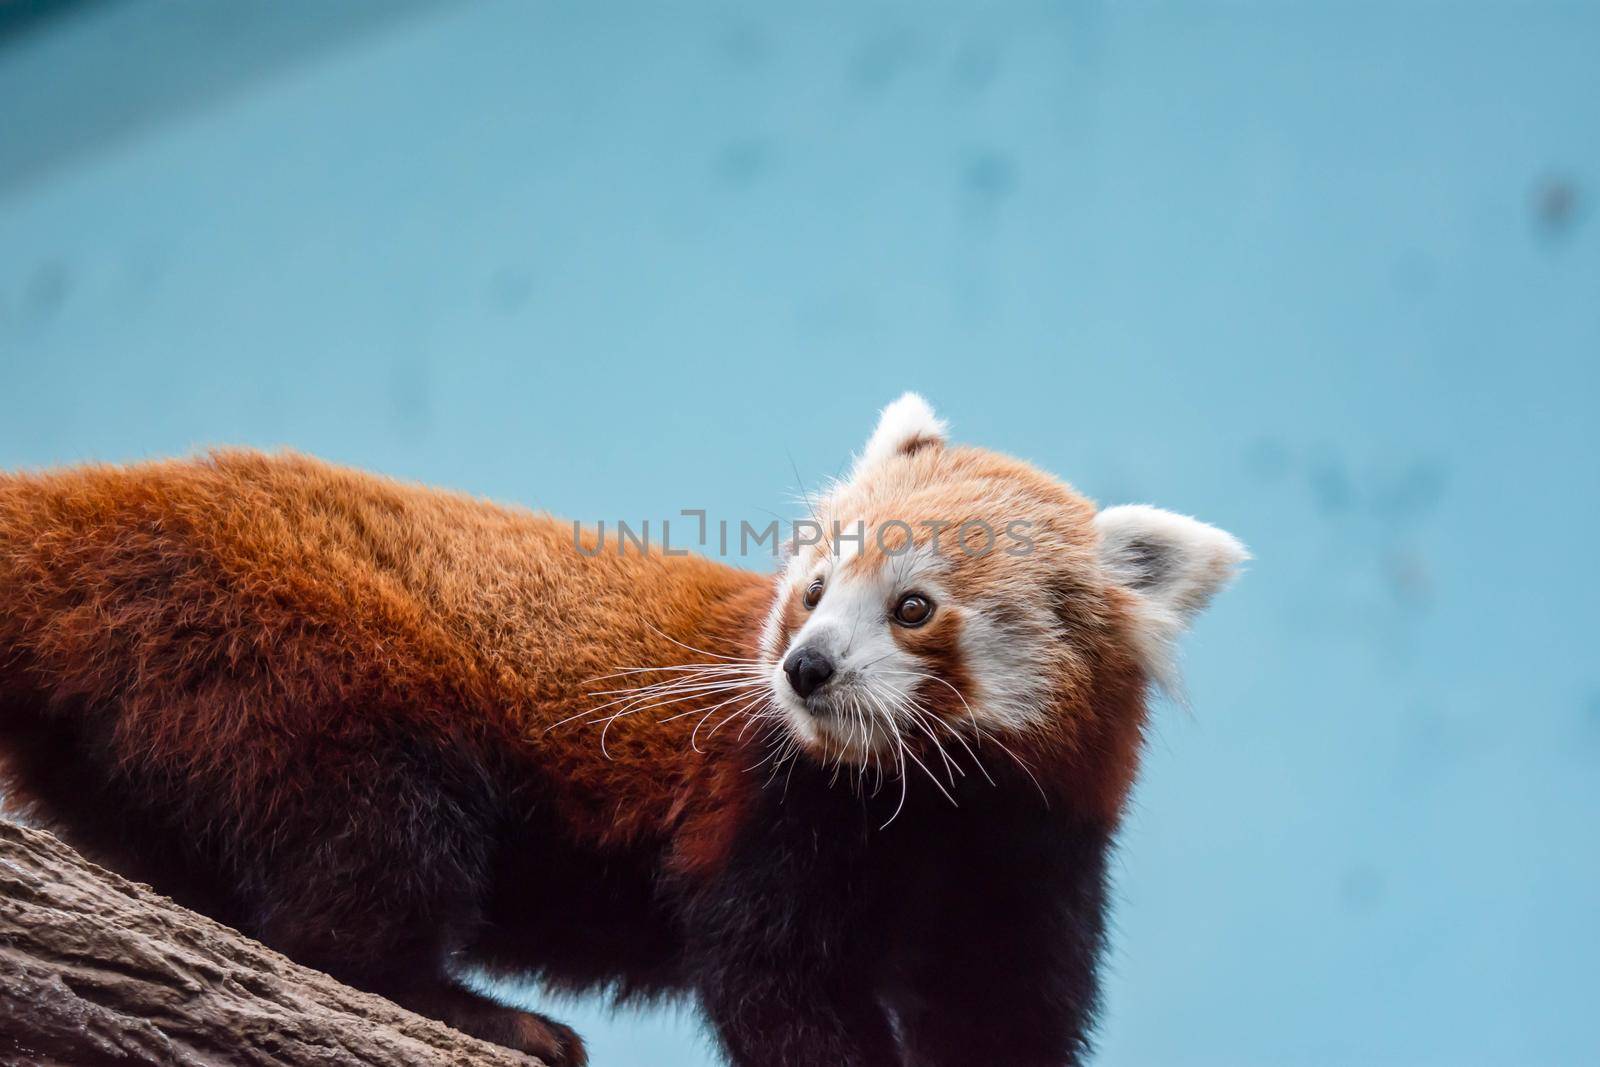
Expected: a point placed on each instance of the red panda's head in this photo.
(956, 597)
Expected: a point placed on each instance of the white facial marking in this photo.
(874, 678)
(1008, 688)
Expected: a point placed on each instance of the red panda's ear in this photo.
(1173, 565)
(905, 426)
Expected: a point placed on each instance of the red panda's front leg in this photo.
(375, 869)
(997, 960)
(785, 956)
(766, 1015)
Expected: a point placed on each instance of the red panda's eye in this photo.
(914, 609)
(813, 594)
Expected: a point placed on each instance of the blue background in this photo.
(1327, 275)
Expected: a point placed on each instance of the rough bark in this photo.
(95, 969)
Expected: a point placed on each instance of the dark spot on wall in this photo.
(881, 60)
(1267, 459)
(1432, 740)
(47, 290)
(743, 162)
(988, 177)
(1414, 491)
(1591, 716)
(1331, 487)
(1557, 204)
(1408, 576)
(509, 289)
(1362, 888)
(976, 67)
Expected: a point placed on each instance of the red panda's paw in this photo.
(556, 1044)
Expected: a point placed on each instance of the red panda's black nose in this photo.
(808, 670)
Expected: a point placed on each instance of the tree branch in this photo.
(95, 969)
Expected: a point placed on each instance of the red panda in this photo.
(858, 811)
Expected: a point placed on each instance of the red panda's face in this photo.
(934, 608)
(954, 597)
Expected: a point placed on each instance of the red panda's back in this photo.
(221, 621)
(248, 628)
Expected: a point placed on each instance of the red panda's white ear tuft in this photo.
(903, 427)
(1174, 565)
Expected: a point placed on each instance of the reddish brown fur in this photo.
(224, 608)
